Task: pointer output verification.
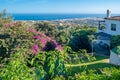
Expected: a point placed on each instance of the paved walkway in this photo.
(106, 60)
(88, 63)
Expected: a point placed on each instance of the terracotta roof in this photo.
(114, 18)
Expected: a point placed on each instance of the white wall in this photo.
(100, 30)
(114, 58)
(108, 27)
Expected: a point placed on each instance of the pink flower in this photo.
(42, 34)
(48, 38)
(32, 30)
(37, 37)
(54, 42)
(35, 49)
(59, 47)
(43, 41)
(15, 23)
(43, 47)
(7, 25)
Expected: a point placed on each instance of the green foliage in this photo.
(63, 34)
(92, 76)
(47, 28)
(16, 69)
(115, 41)
(38, 62)
(18, 63)
(4, 18)
(111, 73)
(81, 40)
(45, 65)
(77, 57)
(24, 65)
(108, 74)
(59, 78)
(54, 64)
(116, 50)
(50, 46)
(57, 32)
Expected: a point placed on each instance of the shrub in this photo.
(16, 69)
(115, 41)
(35, 58)
(59, 78)
(80, 40)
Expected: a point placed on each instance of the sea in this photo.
(37, 17)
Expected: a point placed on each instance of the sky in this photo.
(60, 6)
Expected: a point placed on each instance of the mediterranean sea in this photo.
(37, 17)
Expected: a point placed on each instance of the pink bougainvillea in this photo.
(43, 47)
(37, 37)
(54, 42)
(32, 30)
(15, 23)
(59, 48)
(7, 25)
(42, 34)
(48, 38)
(43, 39)
(35, 49)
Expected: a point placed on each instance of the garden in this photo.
(42, 51)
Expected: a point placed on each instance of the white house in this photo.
(107, 28)
(115, 56)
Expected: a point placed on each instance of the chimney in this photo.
(108, 13)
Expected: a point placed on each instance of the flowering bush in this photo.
(35, 49)
(39, 53)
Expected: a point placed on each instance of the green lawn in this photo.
(98, 64)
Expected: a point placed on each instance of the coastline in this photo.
(69, 22)
(67, 19)
(54, 17)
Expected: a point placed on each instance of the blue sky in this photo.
(60, 6)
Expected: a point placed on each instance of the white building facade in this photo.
(114, 58)
(108, 28)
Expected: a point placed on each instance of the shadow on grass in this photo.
(78, 69)
(98, 57)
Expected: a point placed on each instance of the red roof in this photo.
(114, 18)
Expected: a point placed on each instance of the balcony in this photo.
(101, 26)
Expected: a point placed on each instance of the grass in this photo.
(97, 65)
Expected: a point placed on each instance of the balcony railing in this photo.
(101, 25)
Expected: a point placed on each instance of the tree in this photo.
(81, 40)
(115, 41)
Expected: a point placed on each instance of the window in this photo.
(113, 27)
